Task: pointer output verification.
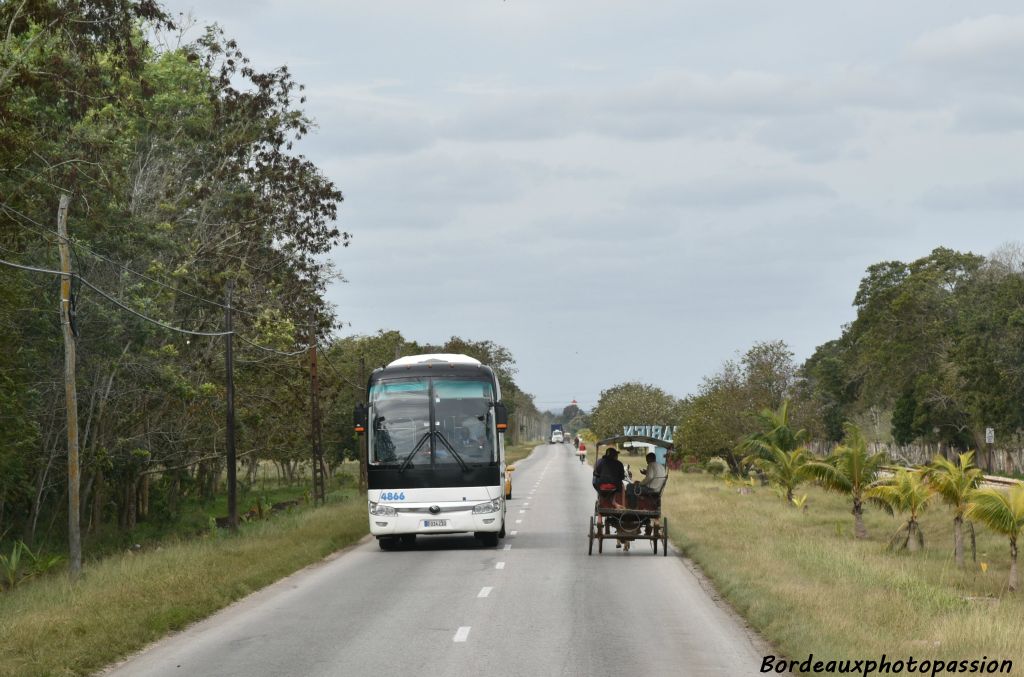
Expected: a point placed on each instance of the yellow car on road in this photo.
(509, 469)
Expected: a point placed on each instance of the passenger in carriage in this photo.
(655, 476)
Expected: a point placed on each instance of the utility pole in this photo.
(229, 366)
(316, 433)
(70, 392)
(362, 439)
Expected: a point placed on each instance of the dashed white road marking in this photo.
(484, 592)
(508, 547)
(515, 533)
(461, 634)
(499, 565)
(519, 521)
(522, 512)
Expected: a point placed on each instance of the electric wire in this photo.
(271, 350)
(110, 298)
(74, 243)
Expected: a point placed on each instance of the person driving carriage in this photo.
(609, 472)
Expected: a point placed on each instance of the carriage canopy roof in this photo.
(619, 439)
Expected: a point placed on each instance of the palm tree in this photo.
(954, 483)
(777, 433)
(905, 492)
(850, 469)
(786, 469)
(1003, 513)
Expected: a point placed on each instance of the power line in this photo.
(74, 243)
(271, 350)
(147, 318)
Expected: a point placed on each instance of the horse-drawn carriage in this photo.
(622, 515)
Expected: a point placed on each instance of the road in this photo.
(536, 605)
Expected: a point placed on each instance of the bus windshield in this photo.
(432, 421)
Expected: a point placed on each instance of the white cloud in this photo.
(970, 39)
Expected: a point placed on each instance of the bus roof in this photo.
(435, 358)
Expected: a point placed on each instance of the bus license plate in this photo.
(435, 523)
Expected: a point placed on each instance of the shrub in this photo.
(717, 465)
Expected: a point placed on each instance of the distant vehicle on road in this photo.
(557, 434)
(435, 449)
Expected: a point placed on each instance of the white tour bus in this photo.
(435, 449)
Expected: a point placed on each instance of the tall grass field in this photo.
(803, 580)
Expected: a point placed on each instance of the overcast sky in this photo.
(636, 190)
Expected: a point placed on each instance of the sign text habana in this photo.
(658, 432)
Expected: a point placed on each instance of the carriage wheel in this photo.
(654, 539)
(664, 537)
(601, 529)
(590, 550)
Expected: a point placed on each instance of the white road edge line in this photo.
(461, 634)
(484, 592)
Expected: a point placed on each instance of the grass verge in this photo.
(122, 603)
(805, 583)
(517, 452)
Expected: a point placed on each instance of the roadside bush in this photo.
(717, 466)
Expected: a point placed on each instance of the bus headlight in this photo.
(380, 509)
(489, 506)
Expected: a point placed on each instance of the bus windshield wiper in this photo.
(450, 448)
(408, 459)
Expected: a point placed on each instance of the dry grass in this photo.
(54, 627)
(516, 453)
(808, 586)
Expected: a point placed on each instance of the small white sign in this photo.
(990, 435)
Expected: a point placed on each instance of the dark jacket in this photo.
(609, 470)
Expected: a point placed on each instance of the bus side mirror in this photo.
(500, 417)
(359, 418)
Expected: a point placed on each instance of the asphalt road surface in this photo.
(535, 605)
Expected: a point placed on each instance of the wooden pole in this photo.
(229, 366)
(316, 432)
(70, 392)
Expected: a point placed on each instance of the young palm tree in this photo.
(1003, 513)
(850, 469)
(785, 469)
(954, 483)
(905, 492)
(777, 433)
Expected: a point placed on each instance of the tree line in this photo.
(932, 357)
(178, 156)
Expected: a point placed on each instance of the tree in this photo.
(850, 469)
(631, 403)
(776, 432)
(955, 483)
(1003, 513)
(784, 469)
(906, 492)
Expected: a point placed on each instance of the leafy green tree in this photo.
(631, 403)
(850, 469)
(1003, 513)
(905, 492)
(955, 483)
